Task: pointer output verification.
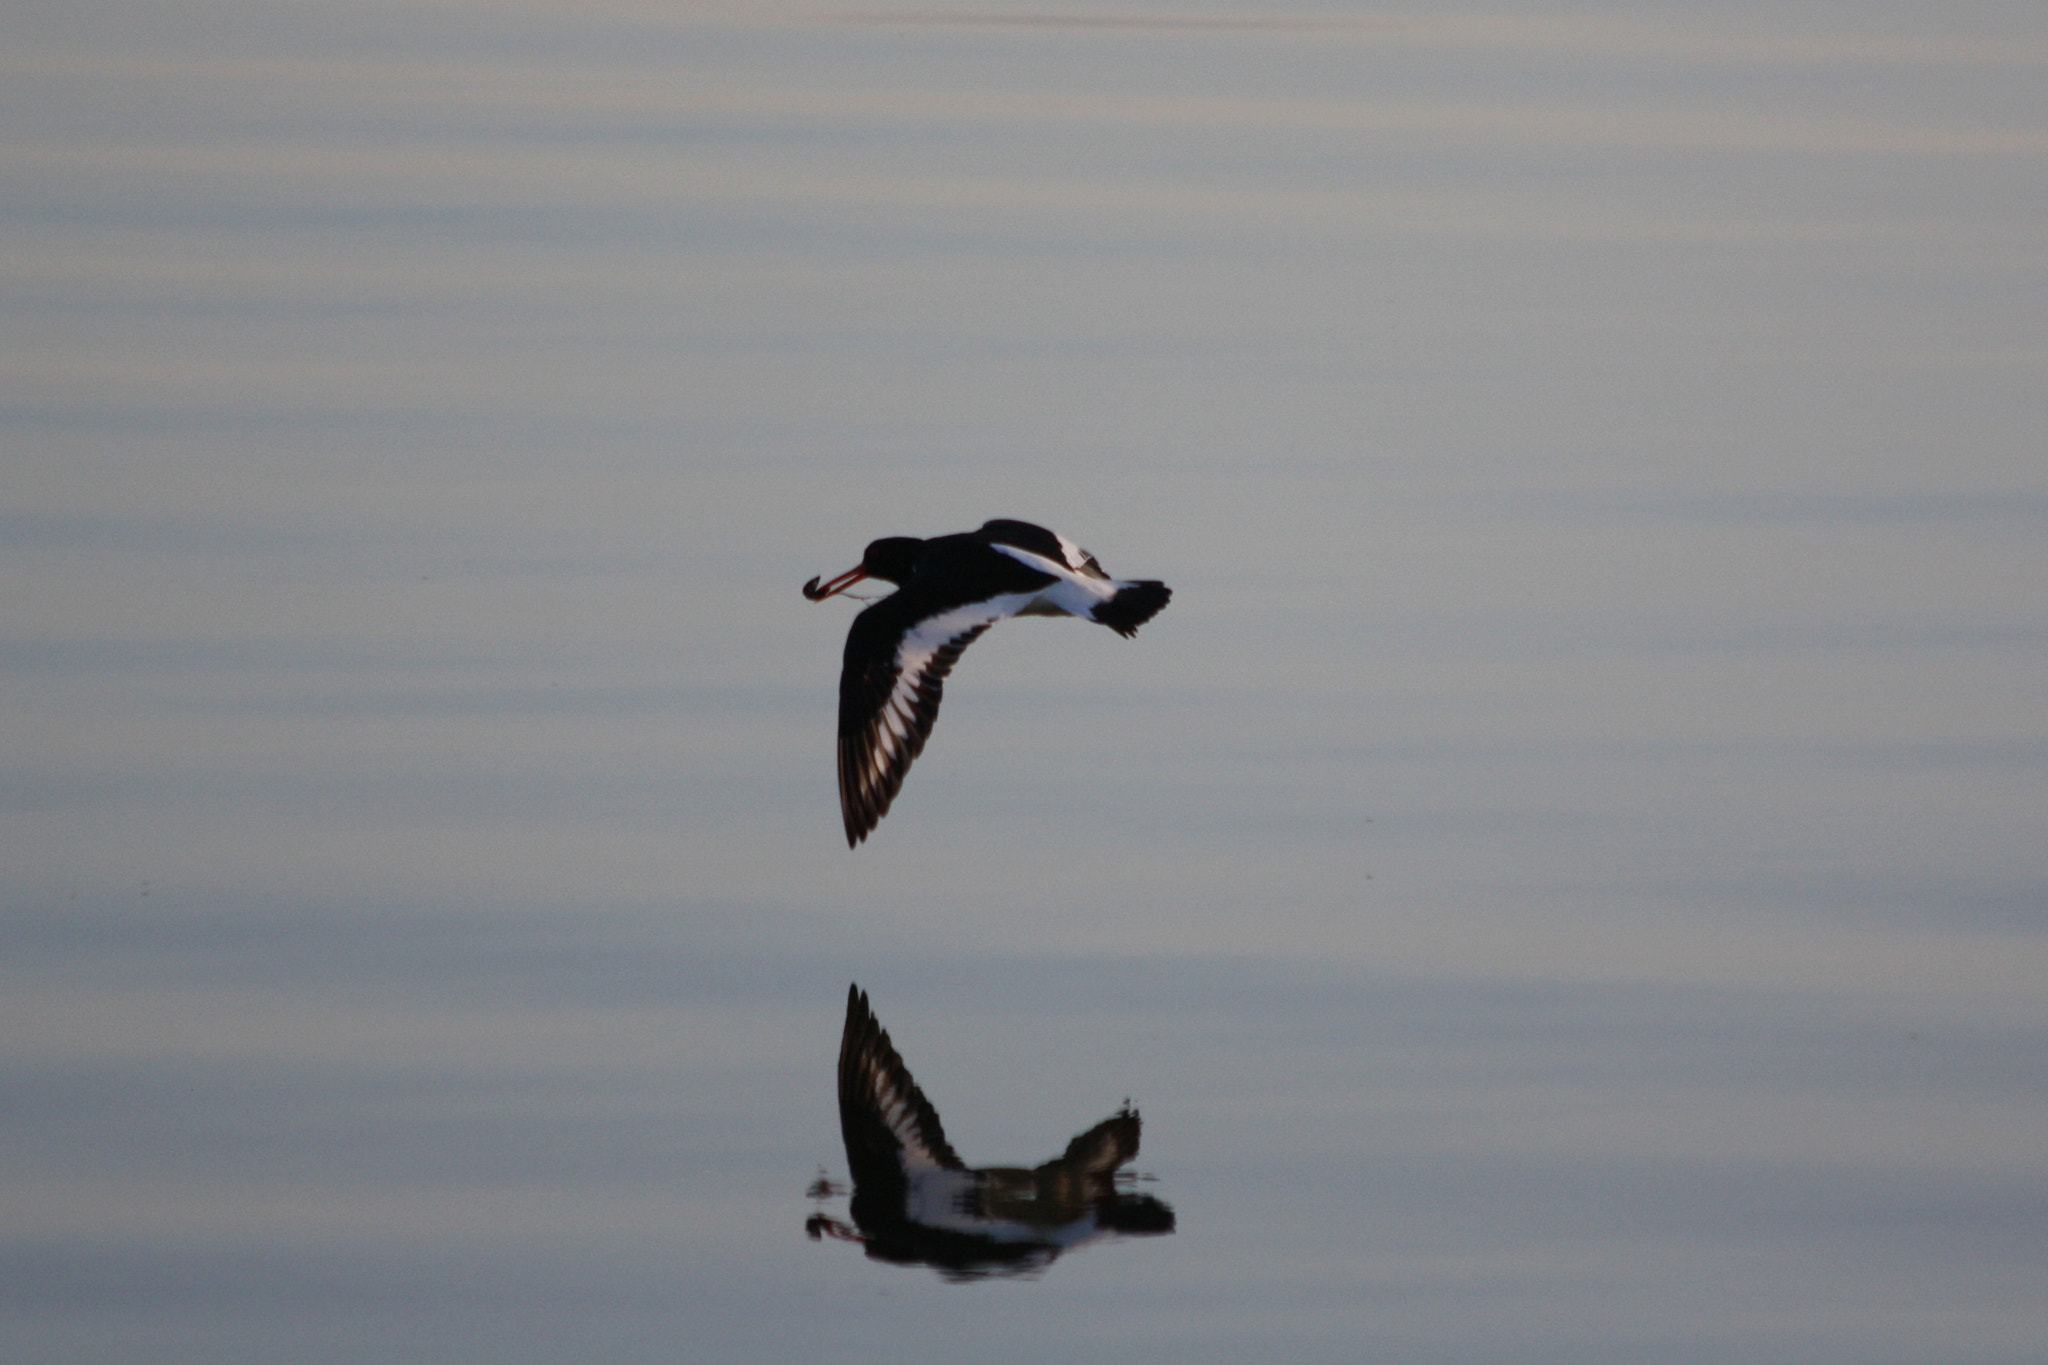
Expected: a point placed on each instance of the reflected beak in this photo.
(837, 585)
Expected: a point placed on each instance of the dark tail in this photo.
(1133, 605)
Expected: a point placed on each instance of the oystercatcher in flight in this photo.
(949, 590)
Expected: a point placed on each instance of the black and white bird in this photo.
(949, 590)
(915, 1202)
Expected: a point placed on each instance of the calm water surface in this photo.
(1566, 879)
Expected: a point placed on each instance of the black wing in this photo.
(890, 1128)
(898, 654)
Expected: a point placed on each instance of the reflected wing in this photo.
(1106, 1146)
(890, 1128)
(897, 658)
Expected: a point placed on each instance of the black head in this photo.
(893, 558)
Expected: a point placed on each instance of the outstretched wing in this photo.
(898, 654)
(891, 1129)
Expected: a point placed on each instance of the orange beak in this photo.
(837, 585)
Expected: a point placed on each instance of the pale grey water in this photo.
(1566, 880)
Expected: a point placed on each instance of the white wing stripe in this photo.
(1078, 559)
(935, 633)
(894, 728)
(874, 759)
(1094, 589)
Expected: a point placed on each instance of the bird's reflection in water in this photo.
(916, 1203)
